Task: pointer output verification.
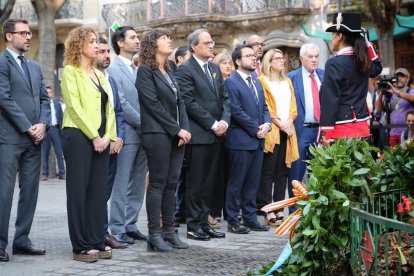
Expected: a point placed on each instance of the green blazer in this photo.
(83, 103)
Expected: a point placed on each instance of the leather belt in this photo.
(311, 125)
(54, 126)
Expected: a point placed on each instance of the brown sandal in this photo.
(86, 256)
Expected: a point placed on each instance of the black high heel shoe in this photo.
(175, 241)
(157, 243)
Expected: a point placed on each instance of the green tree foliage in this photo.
(341, 175)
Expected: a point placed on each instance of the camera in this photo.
(383, 83)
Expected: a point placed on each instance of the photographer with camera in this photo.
(399, 99)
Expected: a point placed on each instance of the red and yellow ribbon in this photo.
(300, 192)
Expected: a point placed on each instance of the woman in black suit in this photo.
(164, 126)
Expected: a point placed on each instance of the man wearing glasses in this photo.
(250, 122)
(24, 115)
(207, 105)
(257, 44)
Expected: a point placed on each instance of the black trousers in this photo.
(165, 159)
(86, 181)
(201, 179)
(220, 188)
(274, 175)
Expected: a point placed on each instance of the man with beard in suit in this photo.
(129, 186)
(24, 116)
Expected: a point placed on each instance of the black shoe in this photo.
(176, 224)
(213, 233)
(198, 235)
(4, 257)
(113, 243)
(28, 249)
(175, 241)
(179, 219)
(157, 243)
(237, 228)
(61, 177)
(136, 235)
(256, 226)
(124, 238)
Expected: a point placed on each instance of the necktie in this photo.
(315, 98)
(25, 69)
(258, 70)
(249, 81)
(207, 72)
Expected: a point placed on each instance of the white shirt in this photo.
(245, 76)
(127, 62)
(53, 114)
(307, 90)
(16, 57)
(282, 95)
(200, 62)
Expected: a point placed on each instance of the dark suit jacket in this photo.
(159, 104)
(246, 115)
(297, 81)
(344, 91)
(204, 104)
(21, 104)
(119, 112)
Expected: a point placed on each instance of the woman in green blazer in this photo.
(88, 128)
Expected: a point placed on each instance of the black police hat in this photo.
(346, 22)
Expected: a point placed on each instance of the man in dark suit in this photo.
(250, 122)
(53, 135)
(24, 116)
(307, 102)
(207, 105)
(102, 63)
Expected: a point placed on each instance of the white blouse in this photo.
(281, 94)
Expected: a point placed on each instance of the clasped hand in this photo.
(287, 128)
(115, 147)
(221, 128)
(263, 130)
(37, 132)
(185, 137)
(100, 143)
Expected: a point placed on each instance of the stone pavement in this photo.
(234, 255)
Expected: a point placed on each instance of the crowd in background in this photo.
(204, 136)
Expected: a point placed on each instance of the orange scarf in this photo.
(273, 136)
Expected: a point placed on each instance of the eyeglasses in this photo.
(278, 58)
(257, 44)
(209, 43)
(251, 56)
(23, 33)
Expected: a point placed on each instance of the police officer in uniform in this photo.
(344, 112)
